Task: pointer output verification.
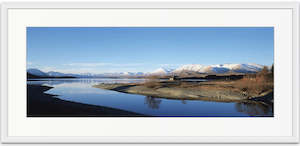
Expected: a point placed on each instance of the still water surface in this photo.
(81, 90)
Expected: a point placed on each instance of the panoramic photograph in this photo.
(150, 71)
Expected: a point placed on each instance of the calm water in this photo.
(81, 90)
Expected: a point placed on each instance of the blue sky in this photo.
(118, 49)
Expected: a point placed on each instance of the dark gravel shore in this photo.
(40, 104)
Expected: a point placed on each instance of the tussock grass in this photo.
(152, 83)
(256, 83)
(250, 85)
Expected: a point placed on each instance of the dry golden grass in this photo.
(251, 84)
(186, 85)
(256, 84)
(155, 84)
(153, 77)
(190, 85)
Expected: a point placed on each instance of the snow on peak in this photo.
(191, 67)
(217, 68)
(188, 68)
(55, 74)
(162, 71)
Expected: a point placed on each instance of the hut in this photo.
(173, 78)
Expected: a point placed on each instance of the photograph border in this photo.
(5, 138)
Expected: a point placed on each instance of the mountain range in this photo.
(210, 69)
(185, 69)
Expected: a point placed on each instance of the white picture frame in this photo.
(7, 138)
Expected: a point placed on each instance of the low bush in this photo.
(256, 83)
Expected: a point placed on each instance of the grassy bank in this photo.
(214, 90)
(249, 87)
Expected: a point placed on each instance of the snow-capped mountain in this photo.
(217, 69)
(56, 74)
(220, 68)
(86, 75)
(128, 73)
(121, 74)
(185, 69)
(162, 71)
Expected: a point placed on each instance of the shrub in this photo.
(255, 84)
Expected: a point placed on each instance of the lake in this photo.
(81, 90)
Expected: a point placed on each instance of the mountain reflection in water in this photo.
(82, 91)
(251, 108)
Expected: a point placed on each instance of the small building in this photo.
(173, 78)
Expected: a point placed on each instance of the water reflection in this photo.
(82, 91)
(251, 108)
(255, 108)
(152, 102)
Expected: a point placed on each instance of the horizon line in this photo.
(145, 72)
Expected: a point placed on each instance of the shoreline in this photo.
(40, 104)
(203, 91)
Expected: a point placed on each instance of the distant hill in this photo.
(184, 70)
(37, 74)
(31, 76)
